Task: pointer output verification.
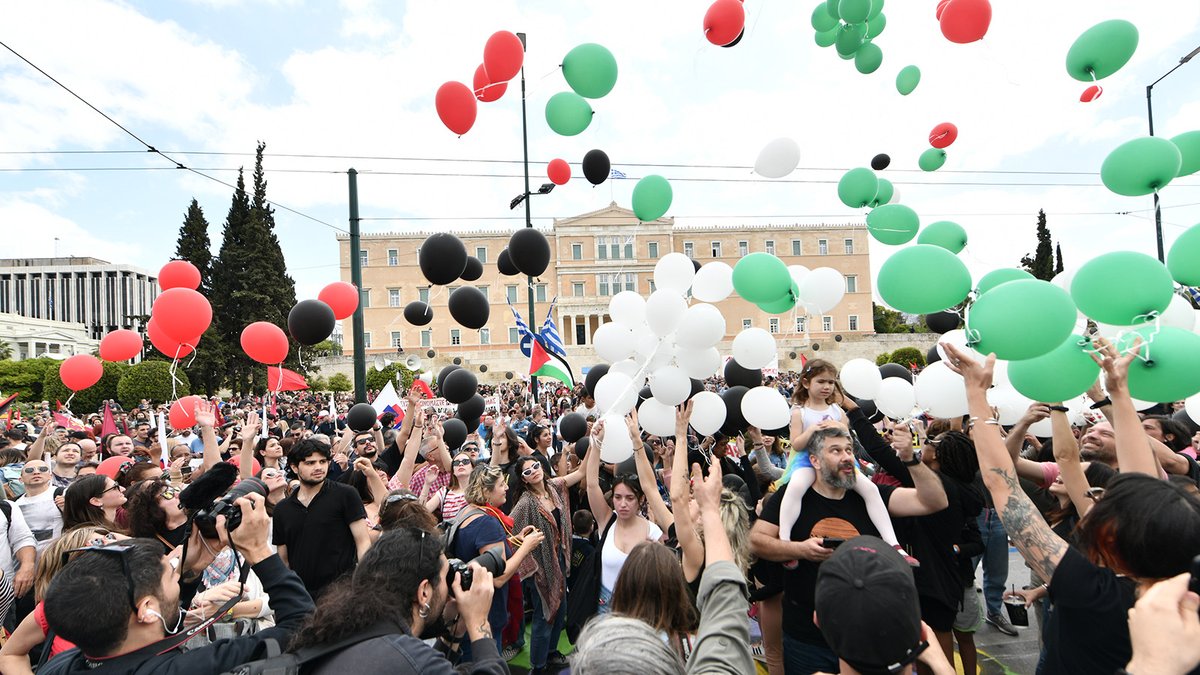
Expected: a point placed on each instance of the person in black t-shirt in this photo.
(831, 511)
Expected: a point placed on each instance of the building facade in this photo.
(31, 338)
(100, 295)
(593, 257)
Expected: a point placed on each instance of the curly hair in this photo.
(146, 518)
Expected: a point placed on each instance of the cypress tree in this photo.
(237, 296)
(1041, 264)
(1058, 266)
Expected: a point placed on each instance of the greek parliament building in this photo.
(593, 257)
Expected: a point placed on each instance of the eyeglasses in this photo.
(363, 441)
(37, 469)
(120, 550)
(169, 492)
(112, 487)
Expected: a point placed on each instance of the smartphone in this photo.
(195, 463)
(186, 469)
(832, 542)
(1194, 583)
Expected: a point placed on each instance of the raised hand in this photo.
(1116, 364)
(976, 374)
(205, 417)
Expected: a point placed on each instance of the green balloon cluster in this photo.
(1183, 260)
(1122, 288)
(1189, 150)
(1102, 50)
(893, 224)
(932, 159)
(651, 198)
(908, 79)
(780, 306)
(849, 26)
(1021, 319)
(568, 114)
(1166, 369)
(1065, 372)
(858, 187)
(923, 279)
(854, 11)
(762, 278)
(590, 70)
(822, 20)
(948, 235)
(885, 193)
(1141, 166)
(1001, 276)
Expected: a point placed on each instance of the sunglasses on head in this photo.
(406, 497)
(271, 473)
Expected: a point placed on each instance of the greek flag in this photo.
(549, 334)
(525, 335)
(1194, 293)
(616, 174)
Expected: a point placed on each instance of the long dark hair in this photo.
(382, 588)
(651, 587)
(510, 438)
(1142, 527)
(77, 506)
(1179, 439)
(516, 481)
(811, 370)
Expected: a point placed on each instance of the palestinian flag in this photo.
(545, 364)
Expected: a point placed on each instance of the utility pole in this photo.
(360, 357)
(533, 388)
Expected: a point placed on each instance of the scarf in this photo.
(550, 577)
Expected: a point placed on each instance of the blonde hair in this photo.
(50, 562)
(735, 520)
(484, 479)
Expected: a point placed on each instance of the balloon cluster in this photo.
(591, 72)
(1099, 52)
(850, 27)
(861, 187)
(456, 103)
(1147, 164)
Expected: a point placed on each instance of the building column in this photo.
(587, 331)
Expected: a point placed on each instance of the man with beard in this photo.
(321, 528)
(832, 512)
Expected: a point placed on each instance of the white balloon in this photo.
(662, 356)
(895, 194)
(861, 379)
(895, 398)
(674, 272)
(616, 394)
(613, 341)
(798, 272)
(708, 413)
(1192, 406)
(656, 418)
(670, 385)
(941, 391)
(1045, 429)
(1009, 403)
(1179, 314)
(713, 283)
(628, 308)
(631, 369)
(823, 288)
(958, 338)
(617, 446)
(999, 375)
(664, 310)
(777, 158)
(765, 408)
(645, 342)
(1140, 405)
(699, 363)
(754, 348)
(701, 327)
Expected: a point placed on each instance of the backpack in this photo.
(278, 662)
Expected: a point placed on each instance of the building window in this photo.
(455, 336)
(393, 297)
(601, 249)
(362, 258)
(540, 292)
(484, 290)
(614, 247)
(853, 322)
(689, 249)
(771, 246)
(481, 253)
(652, 250)
(747, 324)
(849, 247)
(602, 284)
(393, 257)
(485, 336)
(510, 292)
(423, 295)
(852, 283)
(450, 290)
(576, 251)
(652, 288)
(577, 289)
(631, 282)
(743, 249)
(366, 340)
(716, 249)
(396, 340)
(514, 336)
(773, 324)
(426, 338)
(796, 248)
(629, 248)
(826, 323)
(364, 298)
(822, 247)
(801, 325)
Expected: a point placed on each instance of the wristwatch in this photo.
(911, 462)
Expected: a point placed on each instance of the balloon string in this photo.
(536, 85)
(299, 358)
(67, 406)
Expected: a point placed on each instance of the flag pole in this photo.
(533, 389)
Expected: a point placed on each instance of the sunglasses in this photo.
(271, 474)
(363, 441)
(462, 462)
(406, 497)
(37, 469)
(531, 470)
(169, 492)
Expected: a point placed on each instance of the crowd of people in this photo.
(273, 532)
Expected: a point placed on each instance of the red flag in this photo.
(109, 425)
(217, 413)
(282, 379)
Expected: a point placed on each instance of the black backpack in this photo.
(278, 662)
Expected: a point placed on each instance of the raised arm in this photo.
(206, 419)
(1133, 445)
(411, 448)
(600, 508)
(927, 494)
(249, 439)
(1070, 468)
(374, 483)
(38, 446)
(407, 425)
(1027, 468)
(763, 468)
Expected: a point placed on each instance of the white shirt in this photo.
(42, 517)
(17, 536)
(613, 559)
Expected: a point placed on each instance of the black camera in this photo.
(205, 519)
(488, 560)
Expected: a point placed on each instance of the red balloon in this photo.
(456, 106)
(112, 466)
(342, 298)
(169, 346)
(484, 89)
(265, 342)
(120, 345)
(1091, 93)
(965, 21)
(558, 171)
(182, 313)
(941, 8)
(724, 21)
(183, 412)
(80, 371)
(179, 274)
(943, 135)
(503, 56)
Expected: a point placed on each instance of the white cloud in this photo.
(32, 230)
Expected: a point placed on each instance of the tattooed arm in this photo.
(1038, 544)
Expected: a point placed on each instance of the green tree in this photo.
(207, 367)
(1041, 264)
(324, 348)
(86, 400)
(885, 357)
(890, 321)
(25, 377)
(1058, 266)
(6, 351)
(317, 383)
(280, 287)
(151, 380)
(339, 382)
(237, 294)
(906, 356)
(377, 379)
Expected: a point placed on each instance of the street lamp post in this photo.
(1150, 115)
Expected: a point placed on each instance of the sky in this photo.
(352, 84)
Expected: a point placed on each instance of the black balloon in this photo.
(473, 270)
(529, 251)
(932, 356)
(593, 376)
(572, 427)
(454, 432)
(470, 409)
(644, 394)
(505, 264)
(736, 375)
(943, 322)
(628, 467)
(868, 409)
(418, 313)
(311, 321)
(581, 447)
(361, 417)
(469, 307)
(596, 166)
(443, 257)
(880, 162)
(735, 423)
(459, 386)
(696, 264)
(441, 378)
(697, 387)
(1186, 420)
(736, 39)
(895, 370)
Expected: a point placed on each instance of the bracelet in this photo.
(1101, 403)
(912, 462)
(1058, 408)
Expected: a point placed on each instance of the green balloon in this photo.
(1122, 288)
(821, 21)
(923, 279)
(1021, 320)
(1102, 50)
(831, 8)
(1064, 373)
(885, 193)
(846, 57)
(784, 304)
(868, 57)
(1001, 276)
(651, 198)
(1166, 368)
(850, 38)
(761, 277)
(826, 38)
(1189, 149)
(1183, 260)
(932, 159)
(948, 235)
(875, 26)
(1141, 166)
(854, 11)
(858, 187)
(876, 8)
(568, 113)
(908, 79)
(591, 70)
(893, 224)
